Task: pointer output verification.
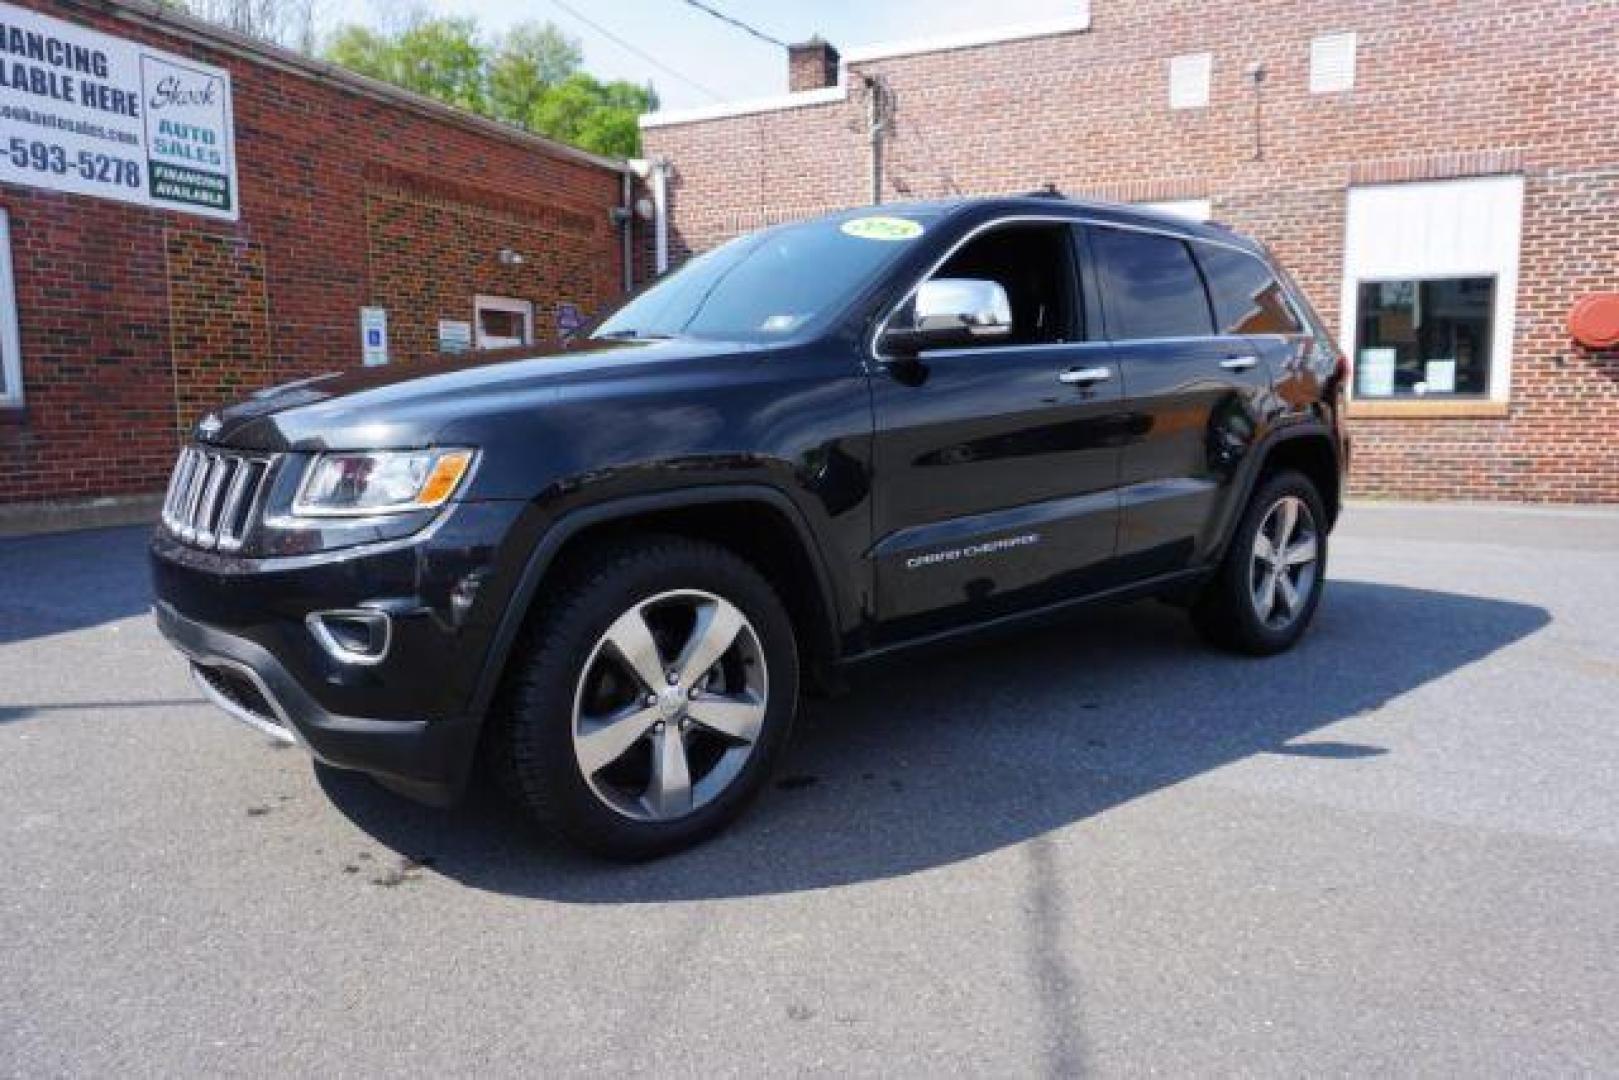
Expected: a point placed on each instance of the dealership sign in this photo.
(92, 114)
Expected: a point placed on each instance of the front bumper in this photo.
(409, 715)
(424, 759)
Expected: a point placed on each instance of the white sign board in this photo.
(1375, 373)
(92, 114)
(1440, 375)
(374, 336)
(454, 336)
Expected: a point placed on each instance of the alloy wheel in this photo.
(670, 705)
(1285, 562)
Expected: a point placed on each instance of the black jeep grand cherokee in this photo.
(610, 568)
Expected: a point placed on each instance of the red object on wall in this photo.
(1594, 321)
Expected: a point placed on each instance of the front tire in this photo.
(1267, 588)
(652, 698)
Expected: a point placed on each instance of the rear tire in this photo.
(1265, 592)
(650, 699)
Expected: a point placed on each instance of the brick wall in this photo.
(1468, 87)
(219, 321)
(563, 260)
(133, 321)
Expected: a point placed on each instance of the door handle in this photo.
(1239, 363)
(1084, 376)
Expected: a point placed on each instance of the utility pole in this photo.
(879, 112)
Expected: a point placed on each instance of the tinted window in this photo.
(1034, 264)
(1425, 338)
(769, 284)
(1247, 297)
(1151, 285)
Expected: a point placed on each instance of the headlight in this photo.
(384, 482)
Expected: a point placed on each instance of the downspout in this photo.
(660, 214)
(626, 225)
(656, 171)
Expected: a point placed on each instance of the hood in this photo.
(405, 405)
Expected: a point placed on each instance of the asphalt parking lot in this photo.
(1090, 848)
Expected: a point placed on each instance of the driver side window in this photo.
(1034, 263)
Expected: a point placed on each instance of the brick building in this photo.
(187, 215)
(1442, 178)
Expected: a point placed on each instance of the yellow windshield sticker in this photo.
(882, 228)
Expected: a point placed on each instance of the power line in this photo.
(734, 21)
(648, 57)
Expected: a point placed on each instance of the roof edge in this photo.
(798, 99)
(177, 24)
(1068, 24)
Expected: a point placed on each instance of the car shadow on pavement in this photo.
(69, 581)
(949, 754)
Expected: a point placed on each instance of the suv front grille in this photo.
(213, 497)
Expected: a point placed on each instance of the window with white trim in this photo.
(1430, 288)
(10, 339)
(1332, 63)
(502, 323)
(1189, 78)
(1190, 209)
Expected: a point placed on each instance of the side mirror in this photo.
(949, 313)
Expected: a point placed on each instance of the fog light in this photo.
(352, 637)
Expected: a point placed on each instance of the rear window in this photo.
(1151, 286)
(1247, 297)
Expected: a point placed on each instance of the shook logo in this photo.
(973, 551)
(174, 92)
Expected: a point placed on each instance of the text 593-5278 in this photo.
(96, 168)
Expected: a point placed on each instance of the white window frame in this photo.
(1326, 77)
(10, 339)
(481, 304)
(1403, 259)
(1190, 77)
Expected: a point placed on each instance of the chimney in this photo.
(811, 65)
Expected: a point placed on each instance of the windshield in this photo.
(769, 284)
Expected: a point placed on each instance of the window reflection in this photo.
(1424, 338)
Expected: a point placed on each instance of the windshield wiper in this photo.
(634, 335)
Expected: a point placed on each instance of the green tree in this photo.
(597, 116)
(439, 58)
(362, 49)
(528, 60)
(528, 77)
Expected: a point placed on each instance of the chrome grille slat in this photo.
(214, 497)
(177, 483)
(220, 469)
(226, 528)
(199, 483)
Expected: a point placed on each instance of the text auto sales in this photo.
(53, 68)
